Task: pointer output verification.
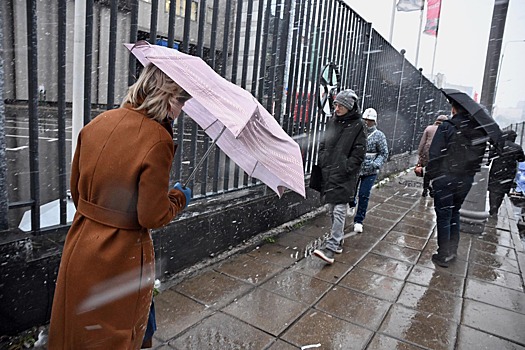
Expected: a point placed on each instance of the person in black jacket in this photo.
(455, 155)
(503, 170)
(341, 152)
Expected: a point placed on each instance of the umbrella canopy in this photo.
(251, 136)
(477, 112)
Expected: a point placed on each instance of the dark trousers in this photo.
(449, 194)
(426, 182)
(364, 185)
(495, 200)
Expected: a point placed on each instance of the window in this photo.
(180, 8)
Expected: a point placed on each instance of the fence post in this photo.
(4, 208)
(398, 101)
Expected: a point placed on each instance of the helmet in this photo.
(370, 114)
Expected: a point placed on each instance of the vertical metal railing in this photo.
(283, 45)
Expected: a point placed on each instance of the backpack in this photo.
(465, 149)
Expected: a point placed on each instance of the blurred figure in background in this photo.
(424, 145)
(503, 170)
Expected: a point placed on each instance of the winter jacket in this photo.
(120, 187)
(376, 152)
(424, 144)
(341, 153)
(504, 167)
(441, 157)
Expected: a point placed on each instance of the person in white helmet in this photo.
(376, 156)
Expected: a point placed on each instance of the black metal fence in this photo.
(276, 49)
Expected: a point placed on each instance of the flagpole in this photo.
(420, 31)
(392, 19)
(435, 43)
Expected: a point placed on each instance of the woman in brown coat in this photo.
(120, 186)
(424, 146)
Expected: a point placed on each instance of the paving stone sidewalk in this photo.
(383, 291)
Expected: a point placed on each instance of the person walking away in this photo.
(376, 156)
(503, 170)
(455, 155)
(120, 187)
(422, 151)
(341, 152)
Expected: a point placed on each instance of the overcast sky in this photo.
(462, 42)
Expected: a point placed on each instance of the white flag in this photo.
(410, 5)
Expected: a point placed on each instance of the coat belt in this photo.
(371, 154)
(110, 217)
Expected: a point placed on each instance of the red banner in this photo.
(433, 12)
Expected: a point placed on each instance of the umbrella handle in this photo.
(194, 172)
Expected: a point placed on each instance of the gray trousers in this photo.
(337, 213)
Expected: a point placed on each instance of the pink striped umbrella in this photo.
(242, 128)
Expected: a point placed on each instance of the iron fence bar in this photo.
(311, 92)
(281, 61)
(112, 53)
(266, 32)
(296, 58)
(363, 59)
(225, 55)
(32, 94)
(21, 204)
(255, 75)
(331, 32)
(347, 69)
(367, 66)
(4, 198)
(213, 60)
(200, 31)
(304, 74)
(133, 30)
(320, 119)
(412, 146)
(61, 109)
(213, 38)
(171, 22)
(187, 27)
(235, 63)
(88, 52)
(246, 52)
(273, 59)
(245, 59)
(291, 71)
(337, 23)
(344, 35)
(200, 53)
(153, 21)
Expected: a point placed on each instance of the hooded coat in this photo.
(504, 167)
(120, 187)
(341, 153)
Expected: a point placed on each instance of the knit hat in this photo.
(347, 98)
(370, 114)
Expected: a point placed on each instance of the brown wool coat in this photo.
(119, 183)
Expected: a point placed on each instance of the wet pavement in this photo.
(382, 292)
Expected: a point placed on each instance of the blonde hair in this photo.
(155, 93)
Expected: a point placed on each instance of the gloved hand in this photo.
(185, 190)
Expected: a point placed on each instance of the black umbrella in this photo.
(477, 112)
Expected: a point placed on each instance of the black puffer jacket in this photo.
(341, 153)
(504, 167)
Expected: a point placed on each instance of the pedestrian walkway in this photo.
(382, 292)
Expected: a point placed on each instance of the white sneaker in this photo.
(358, 227)
(350, 211)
